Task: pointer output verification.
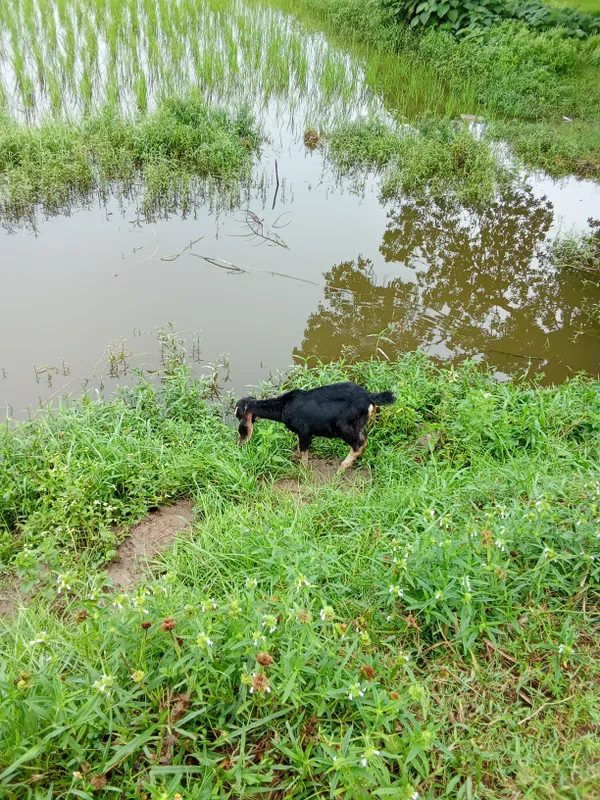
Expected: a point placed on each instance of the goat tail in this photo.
(382, 398)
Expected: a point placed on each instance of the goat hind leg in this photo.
(354, 453)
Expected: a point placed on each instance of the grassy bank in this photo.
(431, 159)
(183, 148)
(432, 630)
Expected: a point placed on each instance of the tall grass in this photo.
(428, 159)
(432, 630)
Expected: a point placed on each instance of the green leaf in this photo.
(442, 9)
(453, 15)
(130, 747)
(424, 16)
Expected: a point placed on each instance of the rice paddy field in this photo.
(200, 199)
(130, 130)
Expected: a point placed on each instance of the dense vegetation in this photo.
(469, 18)
(522, 80)
(434, 629)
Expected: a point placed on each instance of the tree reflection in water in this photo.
(477, 282)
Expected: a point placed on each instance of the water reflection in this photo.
(472, 282)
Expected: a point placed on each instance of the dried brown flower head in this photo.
(146, 625)
(168, 624)
(367, 671)
(98, 782)
(260, 683)
(304, 617)
(394, 695)
(265, 660)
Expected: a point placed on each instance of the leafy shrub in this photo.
(470, 17)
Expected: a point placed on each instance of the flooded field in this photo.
(309, 264)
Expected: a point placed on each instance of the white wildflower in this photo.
(396, 590)
(301, 581)
(62, 583)
(356, 691)
(270, 622)
(367, 755)
(103, 684)
(40, 638)
(203, 641)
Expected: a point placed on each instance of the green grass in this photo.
(579, 252)
(587, 6)
(429, 159)
(178, 149)
(434, 630)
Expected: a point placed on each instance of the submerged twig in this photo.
(515, 355)
(276, 186)
(155, 250)
(236, 269)
(175, 256)
(258, 231)
(219, 262)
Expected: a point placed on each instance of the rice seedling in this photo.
(244, 52)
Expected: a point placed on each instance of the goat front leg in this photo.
(304, 442)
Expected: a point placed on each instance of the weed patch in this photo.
(429, 159)
(181, 147)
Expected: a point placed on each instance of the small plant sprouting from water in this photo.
(172, 349)
(580, 252)
(118, 357)
(312, 137)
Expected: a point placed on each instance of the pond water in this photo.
(357, 277)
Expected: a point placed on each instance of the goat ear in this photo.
(245, 429)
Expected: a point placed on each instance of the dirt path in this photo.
(147, 539)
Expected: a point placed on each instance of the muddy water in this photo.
(454, 282)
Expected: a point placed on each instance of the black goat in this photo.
(337, 411)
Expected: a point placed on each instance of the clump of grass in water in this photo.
(580, 252)
(346, 624)
(428, 158)
(560, 150)
(183, 141)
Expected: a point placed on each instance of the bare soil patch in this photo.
(322, 472)
(10, 597)
(148, 538)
